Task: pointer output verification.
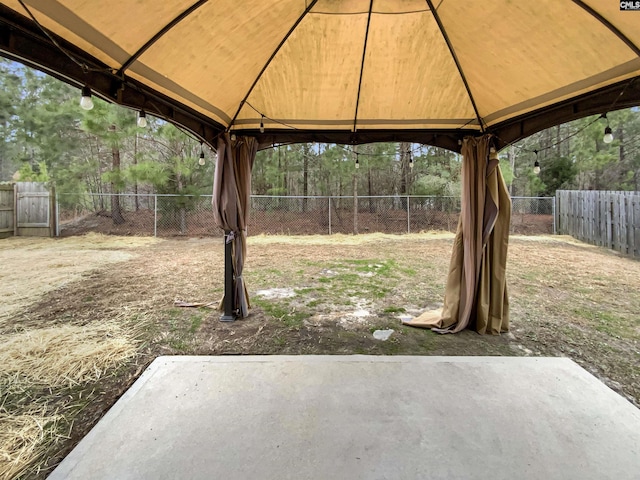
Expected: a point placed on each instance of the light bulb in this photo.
(357, 163)
(411, 163)
(142, 119)
(202, 160)
(536, 167)
(85, 102)
(608, 136)
(233, 137)
(262, 124)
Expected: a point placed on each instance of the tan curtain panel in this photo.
(476, 290)
(231, 197)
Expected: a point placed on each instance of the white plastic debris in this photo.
(383, 334)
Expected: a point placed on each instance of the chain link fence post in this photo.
(155, 215)
(408, 216)
(329, 215)
(553, 206)
(57, 214)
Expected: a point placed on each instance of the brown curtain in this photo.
(476, 290)
(231, 196)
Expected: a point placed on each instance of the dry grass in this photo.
(24, 440)
(65, 355)
(51, 359)
(342, 239)
(53, 263)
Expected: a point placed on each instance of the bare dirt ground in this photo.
(311, 295)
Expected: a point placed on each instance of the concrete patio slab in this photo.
(362, 417)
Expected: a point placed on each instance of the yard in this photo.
(83, 316)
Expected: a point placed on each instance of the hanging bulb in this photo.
(85, 102)
(142, 119)
(201, 161)
(233, 137)
(608, 135)
(411, 163)
(262, 124)
(536, 167)
(357, 163)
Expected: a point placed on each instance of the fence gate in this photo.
(7, 196)
(34, 210)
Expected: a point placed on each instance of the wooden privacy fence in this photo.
(27, 209)
(607, 219)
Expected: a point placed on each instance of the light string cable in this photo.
(343, 147)
(85, 68)
(580, 130)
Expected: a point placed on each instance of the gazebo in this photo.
(243, 75)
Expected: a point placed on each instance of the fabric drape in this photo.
(231, 197)
(476, 290)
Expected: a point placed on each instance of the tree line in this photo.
(46, 136)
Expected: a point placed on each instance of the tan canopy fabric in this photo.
(231, 196)
(346, 71)
(476, 291)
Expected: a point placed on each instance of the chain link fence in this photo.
(188, 215)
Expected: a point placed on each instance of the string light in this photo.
(608, 133)
(536, 164)
(142, 119)
(262, 124)
(411, 163)
(201, 161)
(85, 101)
(357, 161)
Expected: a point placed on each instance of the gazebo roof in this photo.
(345, 71)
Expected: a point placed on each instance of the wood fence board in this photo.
(608, 219)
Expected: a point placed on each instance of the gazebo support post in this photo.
(229, 296)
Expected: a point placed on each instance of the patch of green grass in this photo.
(529, 275)
(394, 310)
(182, 325)
(284, 312)
(390, 347)
(379, 292)
(179, 344)
(347, 278)
(196, 322)
(605, 322)
(411, 272)
(303, 291)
